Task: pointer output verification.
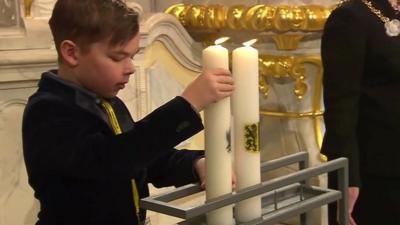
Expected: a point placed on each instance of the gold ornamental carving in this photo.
(286, 25)
(287, 42)
(282, 18)
(294, 67)
(286, 67)
(291, 67)
(27, 7)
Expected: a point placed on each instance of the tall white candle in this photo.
(245, 108)
(217, 137)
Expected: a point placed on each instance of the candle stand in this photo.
(282, 197)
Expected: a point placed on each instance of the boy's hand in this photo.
(210, 86)
(200, 166)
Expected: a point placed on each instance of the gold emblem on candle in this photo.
(251, 137)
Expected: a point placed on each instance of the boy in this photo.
(87, 160)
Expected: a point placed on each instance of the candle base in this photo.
(220, 216)
(202, 221)
(248, 210)
(281, 198)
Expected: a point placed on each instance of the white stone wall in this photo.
(19, 72)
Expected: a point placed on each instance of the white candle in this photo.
(245, 108)
(217, 137)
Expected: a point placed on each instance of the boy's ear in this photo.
(69, 52)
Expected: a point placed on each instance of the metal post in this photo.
(343, 203)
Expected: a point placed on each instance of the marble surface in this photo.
(17, 205)
(19, 73)
(42, 8)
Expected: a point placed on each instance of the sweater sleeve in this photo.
(343, 49)
(174, 167)
(63, 140)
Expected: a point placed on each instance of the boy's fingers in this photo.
(225, 87)
(225, 79)
(223, 94)
(203, 185)
(220, 71)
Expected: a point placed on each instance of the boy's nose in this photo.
(130, 72)
(130, 69)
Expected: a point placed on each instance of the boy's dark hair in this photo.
(88, 21)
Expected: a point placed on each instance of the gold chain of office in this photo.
(392, 26)
(376, 11)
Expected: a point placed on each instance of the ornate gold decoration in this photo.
(195, 16)
(204, 21)
(259, 17)
(283, 67)
(234, 17)
(284, 20)
(293, 67)
(179, 11)
(252, 137)
(27, 6)
(293, 115)
(316, 17)
(287, 42)
(215, 17)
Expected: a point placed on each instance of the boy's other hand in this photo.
(200, 166)
(210, 86)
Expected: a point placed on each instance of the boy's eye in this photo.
(116, 59)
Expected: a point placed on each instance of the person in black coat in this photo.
(88, 162)
(361, 57)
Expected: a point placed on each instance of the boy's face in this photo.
(105, 70)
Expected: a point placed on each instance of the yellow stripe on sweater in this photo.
(117, 130)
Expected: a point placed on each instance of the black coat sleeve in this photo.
(66, 141)
(174, 167)
(343, 50)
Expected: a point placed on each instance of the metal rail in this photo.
(317, 196)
